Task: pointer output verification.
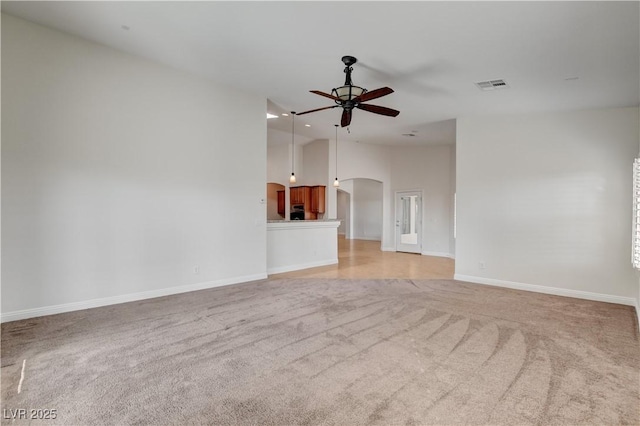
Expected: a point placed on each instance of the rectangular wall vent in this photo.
(492, 84)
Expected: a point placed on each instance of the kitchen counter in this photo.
(317, 223)
(311, 220)
(301, 244)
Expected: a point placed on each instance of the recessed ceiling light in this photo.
(271, 116)
(285, 114)
(408, 134)
(307, 125)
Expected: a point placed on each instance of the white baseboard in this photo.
(368, 238)
(438, 254)
(289, 268)
(132, 297)
(638, 313)
(425, 253)
(579, 294)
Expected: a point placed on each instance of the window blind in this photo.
(635, 248)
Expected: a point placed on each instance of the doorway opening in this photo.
(275, 201)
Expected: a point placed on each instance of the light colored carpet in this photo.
(341, 352)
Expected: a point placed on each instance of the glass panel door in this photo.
(409, 222)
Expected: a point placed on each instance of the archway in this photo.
(273, 212)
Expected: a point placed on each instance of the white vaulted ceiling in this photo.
(553, 55)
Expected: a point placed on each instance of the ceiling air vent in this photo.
(492, 84)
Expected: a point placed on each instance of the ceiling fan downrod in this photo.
(348, 61)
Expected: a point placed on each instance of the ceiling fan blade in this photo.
(326, 95)
(379, 110)
(346, 118)
(317, 109)
(374, 94)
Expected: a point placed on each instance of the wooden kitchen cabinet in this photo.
(318, 199)
(300, 195)
(294, 195)
(306, 197)
(312, 198)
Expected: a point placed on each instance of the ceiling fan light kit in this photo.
(347, 93)
(350, 96)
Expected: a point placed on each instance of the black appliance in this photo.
(297, 215)
(297, 212)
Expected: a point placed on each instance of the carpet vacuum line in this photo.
(24, 362)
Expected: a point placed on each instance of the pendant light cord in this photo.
(336, 183)
(293, 132)
(336, 151)
(292, 178)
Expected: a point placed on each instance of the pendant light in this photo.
(292, 179)
(336, 182)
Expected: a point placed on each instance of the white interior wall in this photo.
(300, 245)
(278, 161)
(637, 295)
(452, 205)
(427, 169)
(121, 178)
(344, 211)
(279, 153)
(367, 209)
(544, 202)
(357, 160)
(332, 191)
(347, 187)
(315, 160)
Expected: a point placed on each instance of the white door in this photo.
(409, 221)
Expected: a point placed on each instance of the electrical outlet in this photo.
(482, 265)
(196, 269)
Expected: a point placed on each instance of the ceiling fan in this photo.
(349, 97)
